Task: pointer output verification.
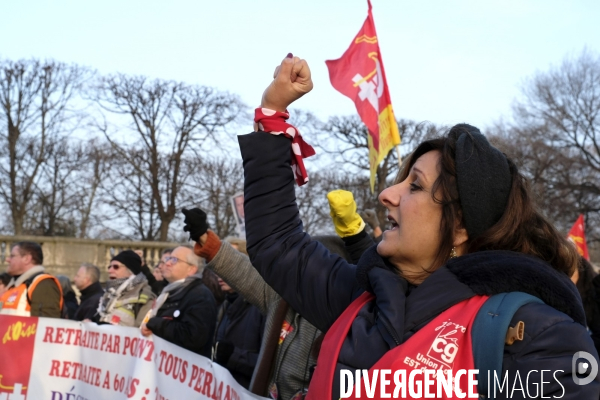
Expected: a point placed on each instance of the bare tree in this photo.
(36, 107)
(312, 198)
(212, 183)
(65, 195)
(565, 102)
(312, 202)
(129, 198)
(344, 139)
(97, 165)
(54, 191)
(559, 113)
(167, 121)
(563, 184)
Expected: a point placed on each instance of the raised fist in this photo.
(291, 81)
(195, 223)
(342, 209)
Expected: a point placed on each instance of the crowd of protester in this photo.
(207, 298)
(266, 311)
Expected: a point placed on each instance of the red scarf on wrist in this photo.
(275, 122)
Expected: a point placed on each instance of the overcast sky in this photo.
(446, 61)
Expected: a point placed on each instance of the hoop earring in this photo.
(453, 253)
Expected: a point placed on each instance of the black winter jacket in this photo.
(90, 298)
(320, 285)
(187, 318)
(242, 326)
(70, 305)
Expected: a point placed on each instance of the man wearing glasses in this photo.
(128, 296)
(185, 313)
(30, 292)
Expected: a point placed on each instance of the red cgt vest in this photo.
(443, 344)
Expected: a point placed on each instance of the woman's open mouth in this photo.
(393, 223)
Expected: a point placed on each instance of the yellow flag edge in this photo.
(389, 136)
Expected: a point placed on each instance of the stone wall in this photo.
(63, 256)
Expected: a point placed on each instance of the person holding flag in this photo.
(463, 229)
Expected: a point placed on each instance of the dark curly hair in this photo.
(522, 228)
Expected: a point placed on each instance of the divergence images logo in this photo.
(588, 367)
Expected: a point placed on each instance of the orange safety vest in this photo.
(445, 343)
(17, 299)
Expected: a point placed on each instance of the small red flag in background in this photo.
(577, 236)
(359, 74)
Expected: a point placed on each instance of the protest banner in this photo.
(55, 359)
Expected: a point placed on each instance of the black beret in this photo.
(483, 179)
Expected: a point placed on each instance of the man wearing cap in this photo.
(128, 296)
(185, 313)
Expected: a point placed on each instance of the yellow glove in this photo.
(343, 213)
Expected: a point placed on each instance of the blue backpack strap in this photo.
(489, 334)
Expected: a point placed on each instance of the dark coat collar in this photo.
(492, 272)
(481, 273)
(91, 290)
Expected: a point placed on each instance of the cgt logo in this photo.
(445, 345)
(588, 367)
(447, 351)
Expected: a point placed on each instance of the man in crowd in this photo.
(155, 283)
(185, 313)
(31, 292)
(288, 350)
(70, 304)
(87, 282)
(128, 296)
(239, 331)
(158, 273)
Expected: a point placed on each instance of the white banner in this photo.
(84, 361)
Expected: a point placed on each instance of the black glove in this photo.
(195, 223)
(224, 352)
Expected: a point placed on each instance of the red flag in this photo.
(359, 74)
(577, 236)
